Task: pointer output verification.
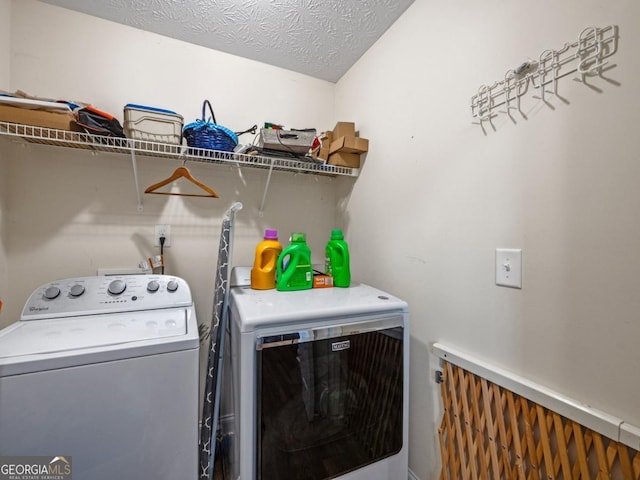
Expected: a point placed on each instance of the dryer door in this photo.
(329, 400)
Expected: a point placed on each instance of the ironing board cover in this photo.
(209, 420)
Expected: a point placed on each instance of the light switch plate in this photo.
(509, 267)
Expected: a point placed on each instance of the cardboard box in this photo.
(36, 118)
(341, 159)
(327, 138)
(323, 154)
(349, 145)
(344, 129)
(322, 281)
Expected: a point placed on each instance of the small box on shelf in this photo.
(346, 146)
(36, 118)
(349, 145)
(292, 141)
(340, 159)
(344, 129)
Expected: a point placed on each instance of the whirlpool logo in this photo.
(38, 309)
(338, 346)
(35, 468)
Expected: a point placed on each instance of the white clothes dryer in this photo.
(316, 385)
(104, 371)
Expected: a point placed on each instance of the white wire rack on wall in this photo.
(583, 58)
(97, 143)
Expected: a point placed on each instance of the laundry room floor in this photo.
(217, 472)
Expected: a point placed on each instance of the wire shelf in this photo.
(65, 138)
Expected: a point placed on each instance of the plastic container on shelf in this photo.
(263, 273)
(337, 259)
(294, 270)
(150, 124)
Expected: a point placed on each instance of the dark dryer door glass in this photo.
(327, 406)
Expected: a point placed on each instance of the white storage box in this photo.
(150, 124)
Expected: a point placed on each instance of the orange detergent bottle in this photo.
(263, 273)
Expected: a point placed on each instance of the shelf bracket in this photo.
(266, 188)
(134, 165)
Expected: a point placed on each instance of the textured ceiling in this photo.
(320, 38)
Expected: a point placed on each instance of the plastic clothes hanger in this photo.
(182, 172)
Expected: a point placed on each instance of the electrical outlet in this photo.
(162, 231)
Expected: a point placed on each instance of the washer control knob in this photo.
(117, 287)
(153, 286)
(51, 292)
(172, 285)
(76, 290)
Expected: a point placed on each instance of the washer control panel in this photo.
(106, 294)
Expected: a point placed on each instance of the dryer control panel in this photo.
(106, 294)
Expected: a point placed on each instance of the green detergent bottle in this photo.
(294, 271)
(337, 260)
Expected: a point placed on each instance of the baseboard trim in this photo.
(412, 476)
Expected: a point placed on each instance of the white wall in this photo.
(5, 36)
(434, 200)
(436, 197)
(4, 269)
(72, 212)
(5, 63)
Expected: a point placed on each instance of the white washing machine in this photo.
(104, 371)
(316, 385)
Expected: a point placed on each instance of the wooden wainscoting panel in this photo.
(490, 433)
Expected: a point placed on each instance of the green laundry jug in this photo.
(294, 271)
(337, 260)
